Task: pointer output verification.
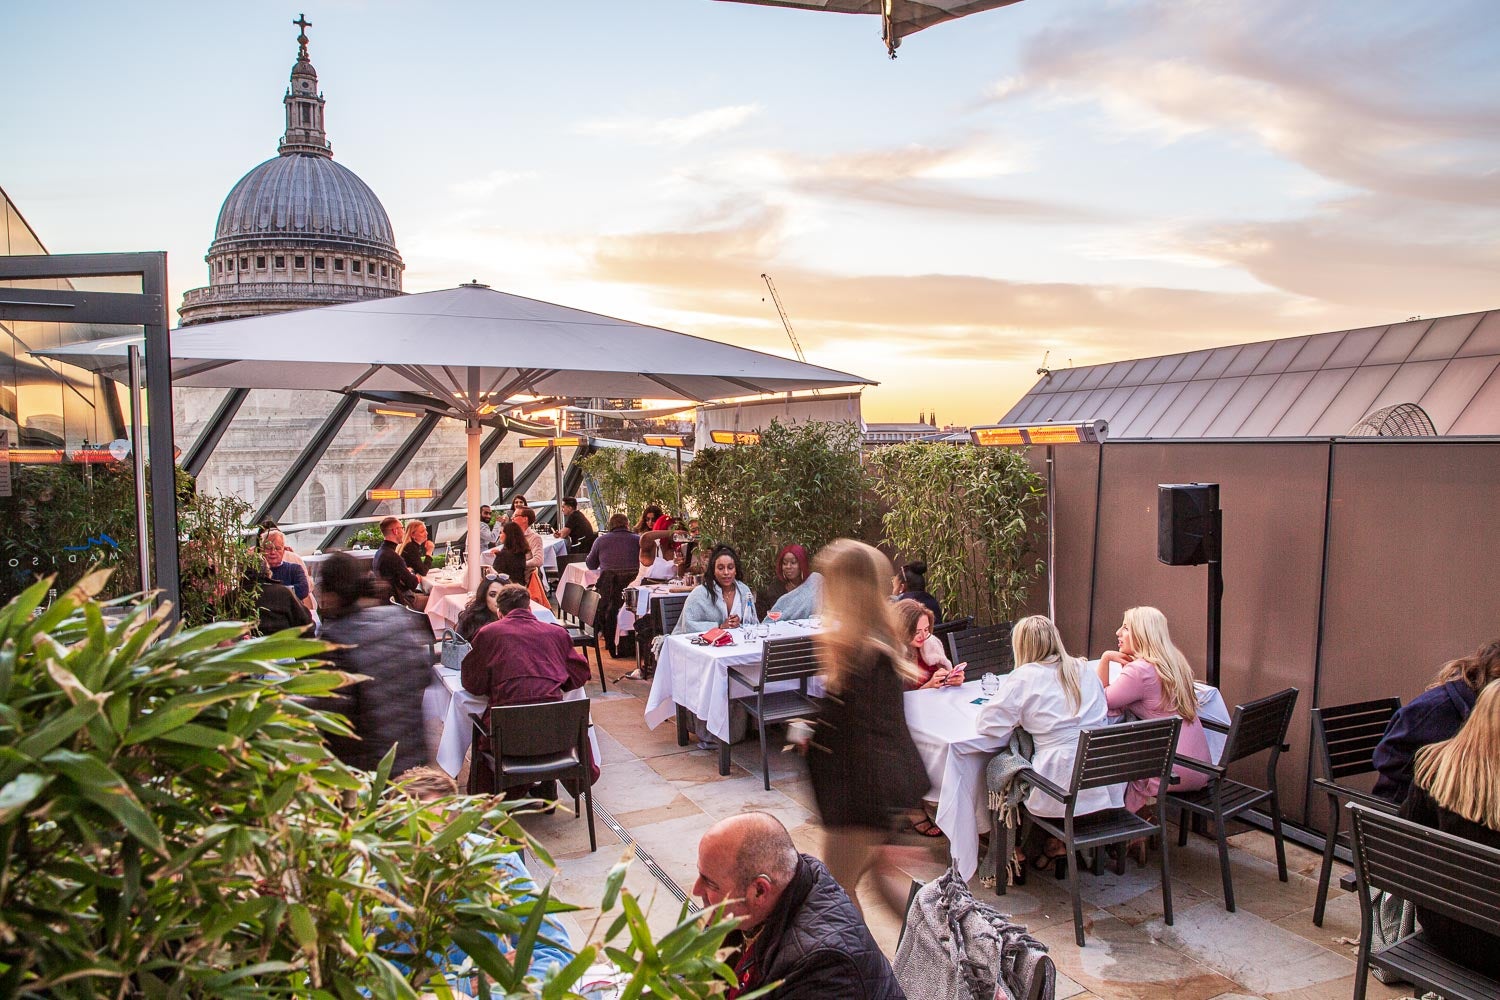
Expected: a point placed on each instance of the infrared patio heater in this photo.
(1189, 529)
(1050, 435)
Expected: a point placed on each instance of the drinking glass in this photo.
(989, 684)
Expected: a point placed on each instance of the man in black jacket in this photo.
(798, 926)
(390, 567)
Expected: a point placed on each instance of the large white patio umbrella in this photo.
(898, 18)
(468, 348)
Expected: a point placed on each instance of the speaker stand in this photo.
(1214, 548)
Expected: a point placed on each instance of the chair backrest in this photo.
(986, 649)
(588, 611)
(564, 561)
(1126, 752)
(1259, 725)
(570, 602)
(1346, 735)
(1455, 877)
(944, 629)
(540, 728)
(666, 610)
(787, 660)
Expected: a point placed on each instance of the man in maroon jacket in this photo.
(518, 660)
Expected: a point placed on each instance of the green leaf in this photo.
(19, 793)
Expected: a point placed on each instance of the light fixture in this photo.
(382, 494)
(665, 440)
(37, 456)
(734, 437)
(388, 410)
(551, 442)
(1078, 432)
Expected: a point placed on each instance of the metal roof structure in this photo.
(1320, 385)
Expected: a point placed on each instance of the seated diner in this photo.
(924, 651)
(1053, 697)
(911, 583)
(1154, 682)
(724, 600)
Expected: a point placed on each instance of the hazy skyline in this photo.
(1097, 180)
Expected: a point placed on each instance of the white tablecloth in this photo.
(580, 574)
(942, 724)
(446, 598)
(625, 621)
(448, 701)
(552, 547)
(697, 677)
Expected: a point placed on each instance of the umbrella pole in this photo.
(474, 560)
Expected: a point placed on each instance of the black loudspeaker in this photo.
(505, 475)
(1187, 523)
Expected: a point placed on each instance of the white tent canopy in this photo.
(468, 347)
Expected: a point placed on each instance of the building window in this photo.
(338, 263)
(354, 266)
(260, 262)
(280, 262)
(320, 263)
(244, 263)
(231, 263)
(299, 262)
(385, 271)
(306, 113)
(221, 267)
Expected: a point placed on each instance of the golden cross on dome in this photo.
(303, 23)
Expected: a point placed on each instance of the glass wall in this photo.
(71, 500)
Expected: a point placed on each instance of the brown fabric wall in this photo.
(1410, 579)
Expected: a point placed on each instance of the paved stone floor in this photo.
(664, 797)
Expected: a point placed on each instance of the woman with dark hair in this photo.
(796, 590)
(648, 520)
(724, 601)
(382, 642)
(481, 609)
(911, 584)
(1432, 716)
(510, 558)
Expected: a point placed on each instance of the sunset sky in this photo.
(1098, 180)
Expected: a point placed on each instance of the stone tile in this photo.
(1124, 963)
(1343, 989)
(1260, 844)
(632, 786)
(566, 834)
(741, 794)
(674, 845)
(611, 750)
(1257, 889)
(693, 766)
(1068, 990)
(1340, 920)
(800, 792)
(1258, 955)
(1237, 996)
(581, 881)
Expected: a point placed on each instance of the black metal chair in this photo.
(568, 604)
(1107, 756)
(1255, 727)
(541, 741)
(659, 607)
(986, 649)
(587, 637)
(944, 629)
(794, 659)
(1344, 738)
(1456, 878)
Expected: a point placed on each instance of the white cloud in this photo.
(674, 131)
(488, 184)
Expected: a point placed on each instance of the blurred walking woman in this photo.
(866, 774)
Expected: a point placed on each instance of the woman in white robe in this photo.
(1054, 697)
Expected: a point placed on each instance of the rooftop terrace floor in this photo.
(664, 797)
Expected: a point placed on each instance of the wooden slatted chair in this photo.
(1457, 878)
(794, 659)
(1255, 727)
(986, 649)
(1109, 756)
(1344, 738)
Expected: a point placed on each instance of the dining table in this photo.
(944, 725)
(447, 700)
(693, 680)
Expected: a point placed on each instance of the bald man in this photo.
(797, 925)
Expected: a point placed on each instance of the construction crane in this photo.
(791, 335)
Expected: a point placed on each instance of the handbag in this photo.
(455, 648)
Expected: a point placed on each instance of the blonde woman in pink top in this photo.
(1154, 682)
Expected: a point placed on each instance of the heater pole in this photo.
(1215, 593)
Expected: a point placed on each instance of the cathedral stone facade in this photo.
(299, 230)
